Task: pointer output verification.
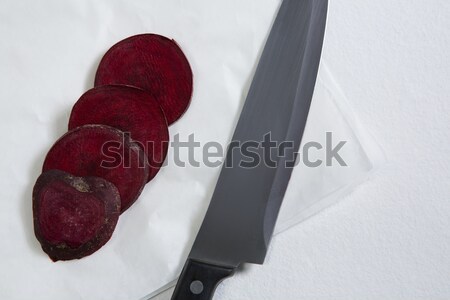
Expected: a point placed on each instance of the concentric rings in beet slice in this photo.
(73, 216)
(105, 152)
(131, 110)
(153, 63)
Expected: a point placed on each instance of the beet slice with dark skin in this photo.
(73, 216)
(105, 152)
(131, 110)
(153, 63)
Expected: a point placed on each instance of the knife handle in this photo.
(199, 280)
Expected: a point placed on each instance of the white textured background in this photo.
(391, 238)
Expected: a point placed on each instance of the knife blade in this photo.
(241, 217)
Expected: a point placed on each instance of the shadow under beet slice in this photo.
(73, 216)
(153, 63)
(105, 152)
(131, 110)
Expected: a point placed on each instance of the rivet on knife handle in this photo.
(198, 281)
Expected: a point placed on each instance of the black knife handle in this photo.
(198, 280)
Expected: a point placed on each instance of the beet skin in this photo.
(73, 216)
(153, 63)
(130, 110)
(105, 152)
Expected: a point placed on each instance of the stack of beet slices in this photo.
(117, 141)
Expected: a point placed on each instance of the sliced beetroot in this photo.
(131, 110)
(153, 63)
(73, 216)
(105, 152)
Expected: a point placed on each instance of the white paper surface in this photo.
(48, 56)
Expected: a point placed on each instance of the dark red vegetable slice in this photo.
(131, 110)
(73, 216)
(153, 63)
(105, 152)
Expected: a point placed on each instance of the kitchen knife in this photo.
(241, 217)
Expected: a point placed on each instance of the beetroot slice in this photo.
(153, 63)
(105, 152)
(131, 110)
(73, 216)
